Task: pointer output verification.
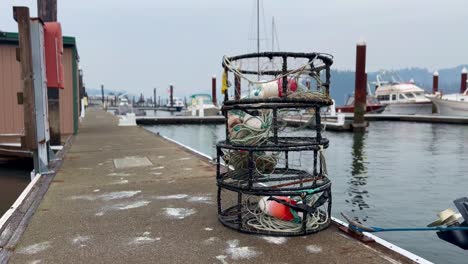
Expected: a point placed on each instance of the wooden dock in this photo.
(125, 195)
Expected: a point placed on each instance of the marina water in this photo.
(396, 175)
(14, 177)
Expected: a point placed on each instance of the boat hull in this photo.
(450, 107)
(369, 109)
(423, 108)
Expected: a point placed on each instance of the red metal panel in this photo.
(53, 44)
(11, 114)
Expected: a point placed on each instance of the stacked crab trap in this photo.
(272, 179)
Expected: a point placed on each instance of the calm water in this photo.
(14, 177)
(396, 175)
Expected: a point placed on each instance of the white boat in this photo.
(177, 103)
(451, 104)
(401, 98)
(204, 101)
(124, 107)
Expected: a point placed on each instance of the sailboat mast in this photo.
(273, 34)
(258, 38)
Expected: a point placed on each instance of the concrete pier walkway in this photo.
(124, 195)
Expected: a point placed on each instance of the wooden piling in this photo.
(171, 95)
(213, 90)
(21, 15)
(47, 10)
(102, 94)
(435, 82)
(360, 85)
(464, 75)
(435, 88)
(154, 100)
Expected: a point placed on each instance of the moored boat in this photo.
(177, 103)
(372, 105)
(451, 104)
(401, 98)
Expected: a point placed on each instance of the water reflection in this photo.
(14, 176)
(358, 180)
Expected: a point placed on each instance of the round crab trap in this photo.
(262, 187)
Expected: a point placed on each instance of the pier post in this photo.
(171, 95)
(102, 94)
(21, 15)
(213, 90)
(154, 97)
(435, 88)
(237, 84)
(360, 93)
(464, 74)
(47, 10)
(435, 82)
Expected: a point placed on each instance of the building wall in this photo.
(11, 113)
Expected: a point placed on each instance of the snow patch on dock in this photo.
(144, 239)
(200, 199)
(170, 197)
(275, 240)
(120, 174)
(314, 249)
(79, 240)
(34, 249)
(130, 205)
(222, 259)
(179, 213)
(210, 240)
(106, 196)
(237, 253)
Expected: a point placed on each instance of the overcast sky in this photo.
(141, 44)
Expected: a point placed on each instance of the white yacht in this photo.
(451, 104)
(177, 103)
(401, 98)
(124, 107)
